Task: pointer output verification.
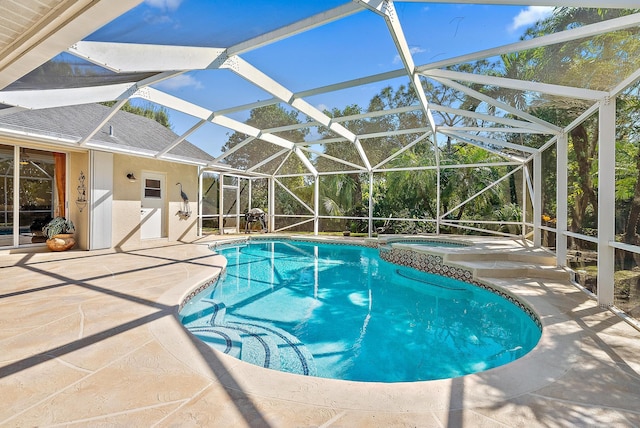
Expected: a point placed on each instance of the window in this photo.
(152, 188)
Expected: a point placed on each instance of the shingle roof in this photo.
(130, 132)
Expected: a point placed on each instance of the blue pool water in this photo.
(341, 312)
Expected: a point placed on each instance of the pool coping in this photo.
(550, 359)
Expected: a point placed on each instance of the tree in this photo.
(599, 63)
(460, 184)
(150, 111)
(628, 162)
(271, 116)
(341, 193)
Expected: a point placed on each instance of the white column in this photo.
(200, 197)
(561, 199)
(316, 205)
(272, 204)
(606, 200)
(238, 182)
(434, 139)
(16, 196)
(537, 199)
(221, 204)
(370, 203)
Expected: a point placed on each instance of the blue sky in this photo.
(354, 47)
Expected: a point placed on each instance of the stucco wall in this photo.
(127, 200)
(78, 162)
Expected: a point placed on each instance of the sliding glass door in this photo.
(40, 193)
(6, 195)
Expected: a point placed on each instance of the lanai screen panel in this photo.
(352, 47)
(217, 90)
(67, 71)
(220, 23)
(342, 71)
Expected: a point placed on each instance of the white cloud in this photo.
(181, 81)
(530, 16)
(169, 5)
(413, 51)
(153, 19)
(161, 16)
(322, 107)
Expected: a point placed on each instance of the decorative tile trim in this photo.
(193, 293)
(358, 243)
(371, 244)
(230, 241)
(449, 243)
(226, 337)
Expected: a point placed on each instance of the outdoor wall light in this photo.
(131, 177)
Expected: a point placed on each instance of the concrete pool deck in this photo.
(90, 338)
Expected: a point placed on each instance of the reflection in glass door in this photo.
(37, 193)
(6, 196)
(40, 193)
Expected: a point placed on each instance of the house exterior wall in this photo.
(78, 162)
(127, 198)
(126, 218)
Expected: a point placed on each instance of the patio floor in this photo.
(89, 338)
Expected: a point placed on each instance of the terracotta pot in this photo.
(61, 242)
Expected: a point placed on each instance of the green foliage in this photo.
(210, 189)
(150, 111)
(509, 213)
(626, 172)
(57, 226)
(598, 62)
(271, 116)
(286, 203)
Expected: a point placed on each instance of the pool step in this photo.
(241, 342)
(293, 355)
(526, 255)
(204, 313)
(258, 348)
(218, 311)
(223, 339)
(501, 266)
(254, 342)
(521, 270)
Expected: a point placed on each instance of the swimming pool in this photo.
(339, 311)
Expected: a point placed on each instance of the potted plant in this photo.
(59, 233)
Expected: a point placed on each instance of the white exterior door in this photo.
(152, 211)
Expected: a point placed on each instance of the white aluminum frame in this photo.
(74, 20)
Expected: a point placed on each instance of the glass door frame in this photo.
(16, 197)
(16, 193)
